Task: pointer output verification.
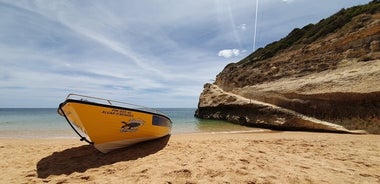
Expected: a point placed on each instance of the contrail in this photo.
(255, 28)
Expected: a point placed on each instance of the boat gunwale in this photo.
(114, 106)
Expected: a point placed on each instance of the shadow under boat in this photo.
(82, 158)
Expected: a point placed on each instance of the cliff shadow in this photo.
(82, 158)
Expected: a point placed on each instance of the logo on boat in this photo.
(131, 126)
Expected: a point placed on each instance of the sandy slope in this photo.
(278, 157)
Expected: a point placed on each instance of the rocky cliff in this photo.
(321, 77)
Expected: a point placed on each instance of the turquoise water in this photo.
(46, 123)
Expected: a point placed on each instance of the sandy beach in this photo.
(274, 157)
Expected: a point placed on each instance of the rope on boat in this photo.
(82, 138)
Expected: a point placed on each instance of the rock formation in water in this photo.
(321, 77)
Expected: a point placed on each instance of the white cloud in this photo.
(227, 53)
(243, 27)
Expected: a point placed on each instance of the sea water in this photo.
(47, 123)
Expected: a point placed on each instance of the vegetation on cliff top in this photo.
(313, 32)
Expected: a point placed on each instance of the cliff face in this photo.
(358, 40)
(218, 104)
(333, 77)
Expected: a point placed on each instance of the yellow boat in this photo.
(110, 125)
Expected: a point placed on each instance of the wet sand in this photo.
(276, 157)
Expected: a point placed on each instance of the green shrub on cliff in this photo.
(311, 32)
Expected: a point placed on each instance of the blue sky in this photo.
(156, 53)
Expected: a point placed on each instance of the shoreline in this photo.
(274, 157)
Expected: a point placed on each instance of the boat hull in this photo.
(112, 127)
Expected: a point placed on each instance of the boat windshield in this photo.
(111, 102)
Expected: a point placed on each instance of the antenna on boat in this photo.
(255, 27)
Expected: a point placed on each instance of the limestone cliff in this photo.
(310, 76)
(218, 104)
